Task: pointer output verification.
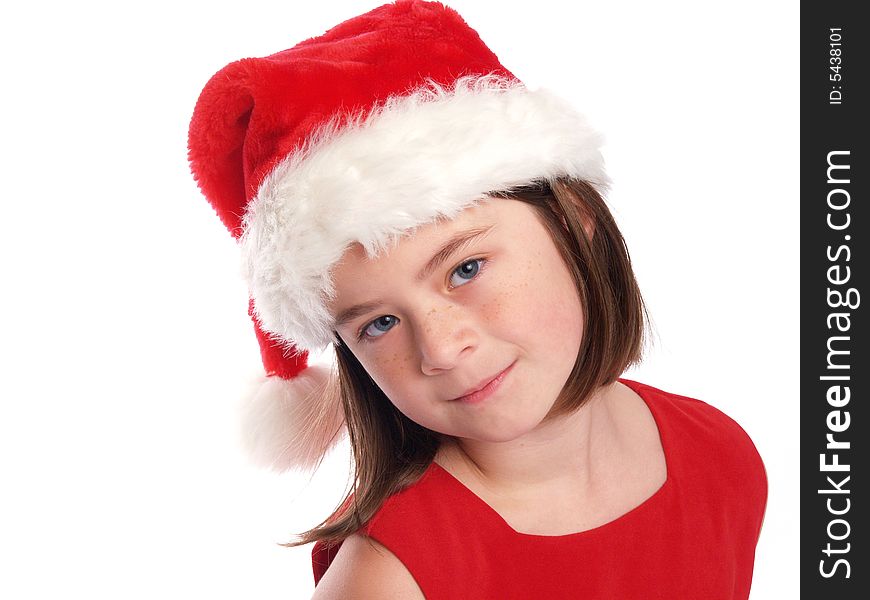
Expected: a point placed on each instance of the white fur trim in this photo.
(292, 424)
(370, 179)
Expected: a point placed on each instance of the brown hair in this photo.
(391, 452)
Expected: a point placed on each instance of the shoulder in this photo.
(396, 547)
(684, 413)
(700, 433)
(382, 548)
(705, 440)
(365, 569)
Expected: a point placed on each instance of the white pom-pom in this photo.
(293, 423)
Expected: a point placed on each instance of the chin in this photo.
(504, 430)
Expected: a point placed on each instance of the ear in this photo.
(569, 199)
(588, 226)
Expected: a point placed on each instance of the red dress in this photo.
(694, 539)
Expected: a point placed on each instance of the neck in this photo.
(570, 452)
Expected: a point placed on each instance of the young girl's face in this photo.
(435, 320)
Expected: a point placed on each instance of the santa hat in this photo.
(388, 121)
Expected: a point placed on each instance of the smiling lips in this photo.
(486, 389)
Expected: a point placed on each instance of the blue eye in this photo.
(381, 324)
(467, 271)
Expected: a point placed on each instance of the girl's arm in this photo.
(363, 569)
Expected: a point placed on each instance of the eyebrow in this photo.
(458, 241)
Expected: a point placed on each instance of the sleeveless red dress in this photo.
(694, 539)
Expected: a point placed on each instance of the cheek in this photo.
(565, 316)
(539, 302)
(390, 371)
(512, 296)
(386, 369)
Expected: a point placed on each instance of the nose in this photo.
(445, 336)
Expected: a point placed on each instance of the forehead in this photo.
(357, 274)
(501, 213)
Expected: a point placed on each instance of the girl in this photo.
(399, 194)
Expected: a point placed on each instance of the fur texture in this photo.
(373, 178)
(292, 423)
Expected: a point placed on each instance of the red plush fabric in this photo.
(694, 538)
(256, 111)
(276, 359)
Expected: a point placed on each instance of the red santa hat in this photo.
(388, 121)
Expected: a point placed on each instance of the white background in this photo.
(125, 339)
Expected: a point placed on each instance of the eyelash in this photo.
(361, 334)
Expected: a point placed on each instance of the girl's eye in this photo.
(460, 276)
(378, 327)
(466, 272)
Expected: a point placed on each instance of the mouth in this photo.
(486, 388)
